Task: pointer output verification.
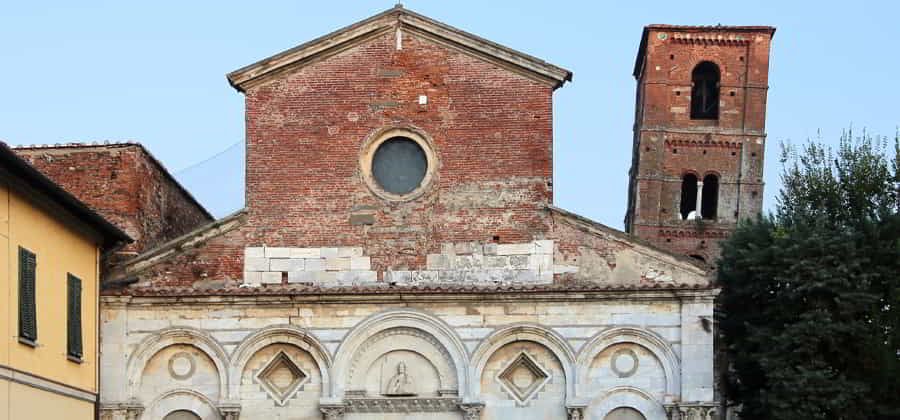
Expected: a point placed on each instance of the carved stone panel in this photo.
(523, 378)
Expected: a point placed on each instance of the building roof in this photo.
(641, 54)
(403, 19)
(38, 187)
(156, 162)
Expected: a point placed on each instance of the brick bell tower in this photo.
(699, 134)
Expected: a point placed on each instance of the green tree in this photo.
(810, 304)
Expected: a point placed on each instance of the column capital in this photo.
(471, 410)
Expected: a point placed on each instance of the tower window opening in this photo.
(705, 92)
(710, 198)
(688, 195)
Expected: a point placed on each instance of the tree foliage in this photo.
(810, 306)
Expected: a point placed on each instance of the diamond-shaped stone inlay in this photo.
(281, 378)
(523, 378)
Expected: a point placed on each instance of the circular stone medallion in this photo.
(624, 363)
(181, 365)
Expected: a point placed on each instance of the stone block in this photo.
(515, 249)
(451, 276)
(276, 252)
(467, 248)
(306, 253)
(360, 263)
(271, 277)
(301, 277)
(496, 261)
(350, 252)
(362, 219)
(324, 277)
(519, 262)
(545, 277)
(526, 276)
(254, 252)
(543, 246)
(439, 261)
(286, 264)
(337, 264)
(252, 277)
(468, 262)
(329, 252)
(314, 264)
(490, 249)
(541, 262)
(256, 264)
(397, 276)
(367, 276)
(448, 249)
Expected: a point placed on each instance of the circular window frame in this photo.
(375, 140)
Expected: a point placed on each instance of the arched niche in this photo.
(279, 334)
(653, 343)
(380, 336)
(542, 336)
(625, 397)
(176, 336)
(184, 400)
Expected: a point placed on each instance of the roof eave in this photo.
(110, 235)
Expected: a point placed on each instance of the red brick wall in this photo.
(492, 134)
(669, 144)
(122, 183)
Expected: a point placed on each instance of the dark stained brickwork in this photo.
(126, 185)
(669, 144)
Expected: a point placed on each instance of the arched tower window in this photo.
(710, 198)
(705, 92)
(688, 195)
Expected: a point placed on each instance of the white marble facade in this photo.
(562, 355)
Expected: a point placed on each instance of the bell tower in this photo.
(699, 134)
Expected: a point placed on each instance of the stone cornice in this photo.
(398, 18)
(257, 300)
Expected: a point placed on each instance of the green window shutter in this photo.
(73, 345)
(27, 305)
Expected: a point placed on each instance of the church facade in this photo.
(400, 255)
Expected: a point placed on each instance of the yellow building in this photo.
(52, 245)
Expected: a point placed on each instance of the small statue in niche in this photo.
(400, 385)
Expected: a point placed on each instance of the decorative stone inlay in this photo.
(523, 378)
(471, 411)
(624, 363)
(281, 378)
(401, 405)
(182, 365)
(691, 411)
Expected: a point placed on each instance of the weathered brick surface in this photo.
(491, 130)
(126, 185)
(669, 144)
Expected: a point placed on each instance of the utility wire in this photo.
(226, 150)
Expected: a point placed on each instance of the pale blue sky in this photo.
(154, 72)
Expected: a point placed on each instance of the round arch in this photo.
(173, 336)
(181, 399)
(278, 334)
(396, 318)
(522, 332)
(625, 396)
(649, 340)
